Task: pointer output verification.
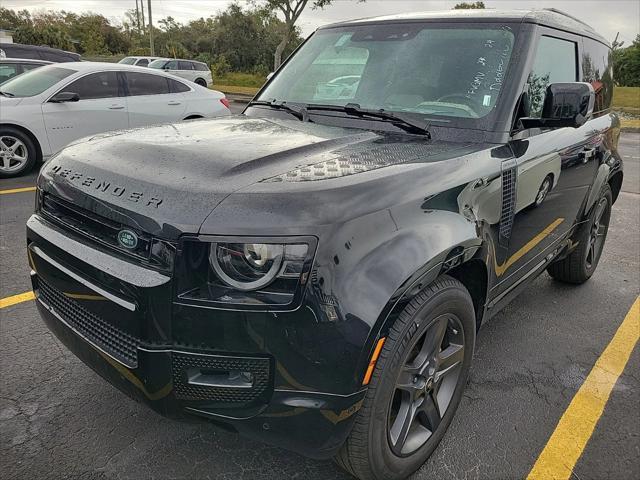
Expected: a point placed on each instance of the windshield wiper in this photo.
(401, 121)
(298, 111)
(6, 94)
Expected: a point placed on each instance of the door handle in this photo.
(174, 103)
(116, 107)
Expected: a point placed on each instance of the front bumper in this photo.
(91, 313)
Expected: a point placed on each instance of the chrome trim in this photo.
(123, 303)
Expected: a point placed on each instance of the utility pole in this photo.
(150, 28)
(137, 17)
(142, 7)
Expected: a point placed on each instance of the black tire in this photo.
(368, 453)
(15, 168)
(201, 82)
(581, 263)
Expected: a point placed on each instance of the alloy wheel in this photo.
(13, 153)
(598, 232)
(425, 385)
(544, 191)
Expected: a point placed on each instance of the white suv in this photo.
(197, 72)
(138, 61)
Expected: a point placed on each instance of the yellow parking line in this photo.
(22, 297)
(17, 190)
(562, 451)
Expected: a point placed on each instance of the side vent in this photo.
(509, 197)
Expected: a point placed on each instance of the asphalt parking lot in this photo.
(60, 420)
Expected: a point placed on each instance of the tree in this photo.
(469, 6)
(626, 64)
(291, 9)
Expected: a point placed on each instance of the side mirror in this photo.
(565, 105)
(65, 97)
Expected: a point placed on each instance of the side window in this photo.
(185, 65)
(555, 62)
(201, 67)
(54, 57)
(177, 87)
(146, 84)
(172, 65)
(597, 70)
(95, 85)
(7, 71)
(143, 62)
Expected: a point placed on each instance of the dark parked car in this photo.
(17, 50)
(312, 273)
(12, 67)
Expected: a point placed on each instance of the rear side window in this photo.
(146, 84)
(185, 65)
(55, 57)
(7, 71)
(597, 70)
(201, 67)
(177, 87)
(95, 85)
(555, 61)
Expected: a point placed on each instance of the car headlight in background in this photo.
(246, 273)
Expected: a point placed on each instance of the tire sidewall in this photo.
(31, 152)
(449, 300)
(605, 193)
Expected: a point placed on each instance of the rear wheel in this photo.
(579, 265)
(17, 152)
(416, 386)
(201, 82)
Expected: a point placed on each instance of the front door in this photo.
(546, 184)
(101, 108)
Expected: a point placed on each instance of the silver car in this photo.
(197, 72)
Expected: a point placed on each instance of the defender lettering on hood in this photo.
(105, 186)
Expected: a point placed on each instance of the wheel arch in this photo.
(28, 133)
(464, 261)
(615, 182)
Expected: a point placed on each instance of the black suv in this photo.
(18, 50)
(312, 273)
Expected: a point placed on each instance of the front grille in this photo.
(89, 224)
(113, 341)
(258, 368)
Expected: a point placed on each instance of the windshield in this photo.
(34, 82)
(450, 70)
(128, 60)
(158, 63)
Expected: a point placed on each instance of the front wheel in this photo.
(416, 386)
(17, 152)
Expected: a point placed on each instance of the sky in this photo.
(607, 16)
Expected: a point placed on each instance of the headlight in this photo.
(246, 266)
(248, 273)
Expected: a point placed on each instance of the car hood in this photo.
(167, 179)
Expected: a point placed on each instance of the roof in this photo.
(180, 60)
(104, 66)
(24, 60)
(550, 17)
